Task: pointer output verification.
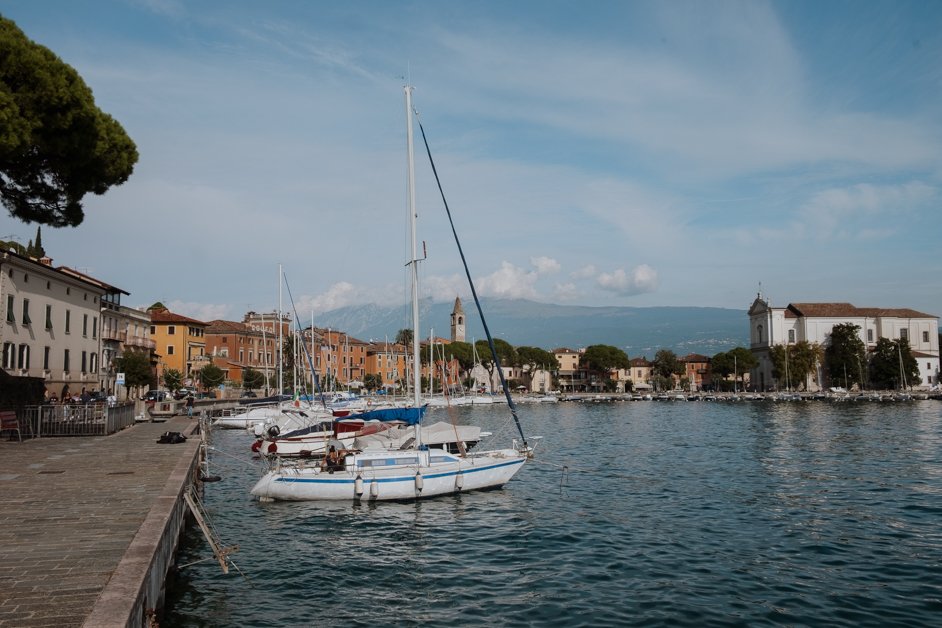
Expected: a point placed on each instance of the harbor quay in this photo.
(89, 525)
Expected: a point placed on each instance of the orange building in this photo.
(388, 361)
(335, 355)
(696, 370)
(234, 346)
(444, 370)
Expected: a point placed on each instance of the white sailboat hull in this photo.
(381, 476)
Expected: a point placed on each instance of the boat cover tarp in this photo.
(436, 434)
(409, 416)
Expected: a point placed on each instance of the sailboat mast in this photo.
(281, 375)
(414, 263)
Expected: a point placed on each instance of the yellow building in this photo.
(180, 343)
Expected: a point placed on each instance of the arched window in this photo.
(759, 331)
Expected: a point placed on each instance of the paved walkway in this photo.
(70, 509)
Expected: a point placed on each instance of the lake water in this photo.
(633, 513)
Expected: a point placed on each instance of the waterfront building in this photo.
(235, 346)
(338, 358)
(696, 370)
(388, 361)
(572, 377)
(180, 343)
(641, 372)
(770, 326)
(122, 330)
(443, 369)
(51, 323)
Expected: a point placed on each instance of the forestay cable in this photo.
(474, 293)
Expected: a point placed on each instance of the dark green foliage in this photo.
(506, 354)
(404, 337)
(736, 362)
(533, 359)
(893, 365)
(252, 378)
(793, 364)
(462, 352)
(845, 357)
(536, 358)
(604, 358)
(212, 376)
(666, 364)
(56, 146)
(136, 367)
(173, 379)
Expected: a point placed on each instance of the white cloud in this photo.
(545, 265)
(642, 279)
(442, 289)
(200, 311)
(338, 295)
(510, 282)
(585, 272)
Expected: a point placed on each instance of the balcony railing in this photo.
(113, 334)
(137, 341)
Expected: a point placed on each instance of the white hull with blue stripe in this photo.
(391, 475)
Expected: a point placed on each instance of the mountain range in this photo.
(639, 331)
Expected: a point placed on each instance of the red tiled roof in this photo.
(166, 316)
(229, 327)
(848, 310)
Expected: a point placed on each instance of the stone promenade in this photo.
(80, 520)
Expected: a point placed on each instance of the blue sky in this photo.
(596, 153)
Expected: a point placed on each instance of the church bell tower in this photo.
(457, 322)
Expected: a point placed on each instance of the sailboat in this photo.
(415, 469)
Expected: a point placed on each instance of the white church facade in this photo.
(770, 326)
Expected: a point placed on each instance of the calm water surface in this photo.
(640, 513)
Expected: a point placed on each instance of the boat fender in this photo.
(209, 478)
(272, 448)
(419, 481)
(274, 431)
(459, 481)
(256, 446)
(374, 489)
(358, 485)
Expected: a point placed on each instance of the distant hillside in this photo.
(637, 330)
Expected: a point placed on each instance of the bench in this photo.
(8, 421)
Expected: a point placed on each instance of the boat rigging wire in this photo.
(307, 353)
(474, 293)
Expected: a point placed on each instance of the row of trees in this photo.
(845, 361)
(891, 365)
(138, 373)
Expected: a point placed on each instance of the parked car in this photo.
(183, 393)
(153, 396)
(248, 393)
